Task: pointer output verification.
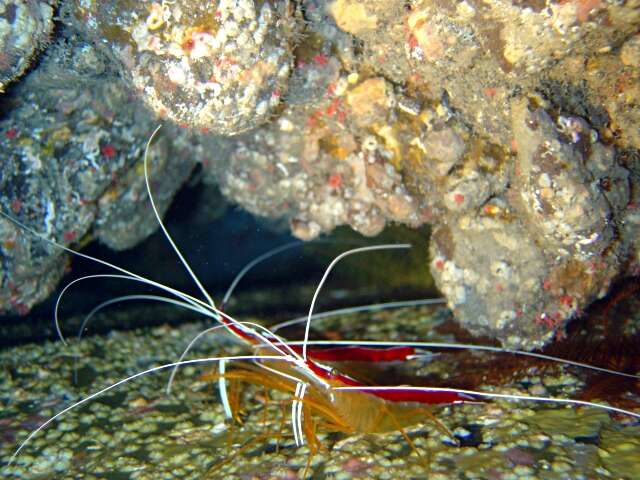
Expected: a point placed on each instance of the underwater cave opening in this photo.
(218, 240)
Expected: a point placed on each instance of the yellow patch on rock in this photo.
(369, 101)
(352, 17)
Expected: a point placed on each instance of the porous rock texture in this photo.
(510, 127)
(25, 27)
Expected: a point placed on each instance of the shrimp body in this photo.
(347, 411)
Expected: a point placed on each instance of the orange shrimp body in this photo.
(347, 411)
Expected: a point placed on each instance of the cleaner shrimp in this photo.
(325, 392)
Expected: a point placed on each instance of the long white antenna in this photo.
(326, 274)
(166, 233)
(254, 262)
(133, 377)
(358, 309)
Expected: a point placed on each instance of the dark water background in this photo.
(218, 240)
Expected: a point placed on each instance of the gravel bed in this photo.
(136, 431)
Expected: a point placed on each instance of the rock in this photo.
(352, 16)
(630, 52)
(222, 66)
(25, 27)
(511, 127)
(565, 206)
(491, 273)
(71, 171)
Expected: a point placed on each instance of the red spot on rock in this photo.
(584, 9)
(16, 206)
(11, 134)
(490, 91)
(458, 198)
(108, 151)
(188, 44)
(21, 309)
(333, 108)
(335, 181)
(412, 42)
(546, 284)
(439, 264)
(566, 300)
(69, 235)
(312, 120)
(321, 59)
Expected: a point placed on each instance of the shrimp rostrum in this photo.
(329, 386)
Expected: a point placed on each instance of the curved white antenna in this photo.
(326, 274)
(152, 298)
(256, 261)
(272, 342)
(126, 272)
(296, 413)
(133, 377)
(132, 277)
(160, 222)
(222, 388)
(358, 309)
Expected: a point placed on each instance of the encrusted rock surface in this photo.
(221, 65)
(549, 246)
(511, 127)
(25, 27)
(71, 169)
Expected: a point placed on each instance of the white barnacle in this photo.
(369, 143)
(33, 159)
(501, 269)
(266, 14)
(203, 45)
(341, 86)
(232, 28)
(176, 74)
(284, 70)
(49, 217)
(262, 108)
(283, 169)
(245, 39)
(249, 8)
